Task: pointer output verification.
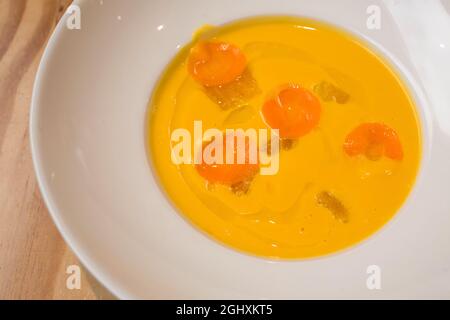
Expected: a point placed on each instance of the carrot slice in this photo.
(229, 174)
(374, 140)
(216, 63)
(295, 111)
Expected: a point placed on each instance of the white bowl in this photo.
(88, 145)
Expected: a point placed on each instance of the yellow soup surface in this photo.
(322, 199)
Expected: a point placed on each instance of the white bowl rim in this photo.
(65, 231)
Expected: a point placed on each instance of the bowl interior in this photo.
(89, 148)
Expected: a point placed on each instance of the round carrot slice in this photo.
(216, 63)
(374, 140)
(229, 174)
(295, 111)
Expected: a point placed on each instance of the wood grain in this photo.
(33, 256)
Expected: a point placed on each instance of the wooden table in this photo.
(33, 256)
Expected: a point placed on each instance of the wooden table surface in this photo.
(33, 256)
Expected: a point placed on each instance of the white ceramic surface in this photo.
(87, 134)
